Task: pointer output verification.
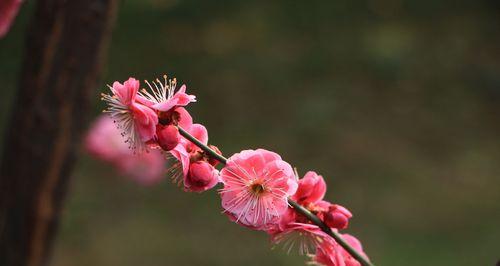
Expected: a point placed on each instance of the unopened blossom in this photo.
(337, 216)
(202, 176)
(136, 121)
(177, 117)
(312, 188)
(330, 253)
(257, 184)
(8, 13)
(167, 136)
(104, 142)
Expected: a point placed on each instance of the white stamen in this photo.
(124, 120)
(307, 241)
(160, 92)
(250, 203)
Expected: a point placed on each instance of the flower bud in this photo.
(202, 176)
(337, 217)
(312, 188)
(211, 160)
(168, 137)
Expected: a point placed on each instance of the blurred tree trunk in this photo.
(66, 44)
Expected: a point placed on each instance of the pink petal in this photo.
(185, 118)
(183, 99)
(281, 176)
(165, 106)
(268, 155)
(127, 91)
(144, 101)
(180, 153)
(182, 89)
(146, 121)
(233, 174)
(199, 132)
(253, 160)
(230, 200)
(312, 188)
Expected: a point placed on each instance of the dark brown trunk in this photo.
(65, 47)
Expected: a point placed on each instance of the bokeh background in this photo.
(396, 103)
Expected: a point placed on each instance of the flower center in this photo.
(257, 188)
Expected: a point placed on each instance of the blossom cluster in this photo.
(257, 185)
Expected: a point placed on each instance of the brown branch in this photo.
(65, 47)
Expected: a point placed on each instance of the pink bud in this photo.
(168, 137)
(312, 188)
(202, 176)
(337, 217)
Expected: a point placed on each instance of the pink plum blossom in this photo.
(163, 97)
(104, 141)
(8, 12)
(137, 122)
(257, 184)
(149, 117)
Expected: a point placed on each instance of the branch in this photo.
(297, 207)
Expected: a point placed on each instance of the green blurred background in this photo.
(396, 103)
